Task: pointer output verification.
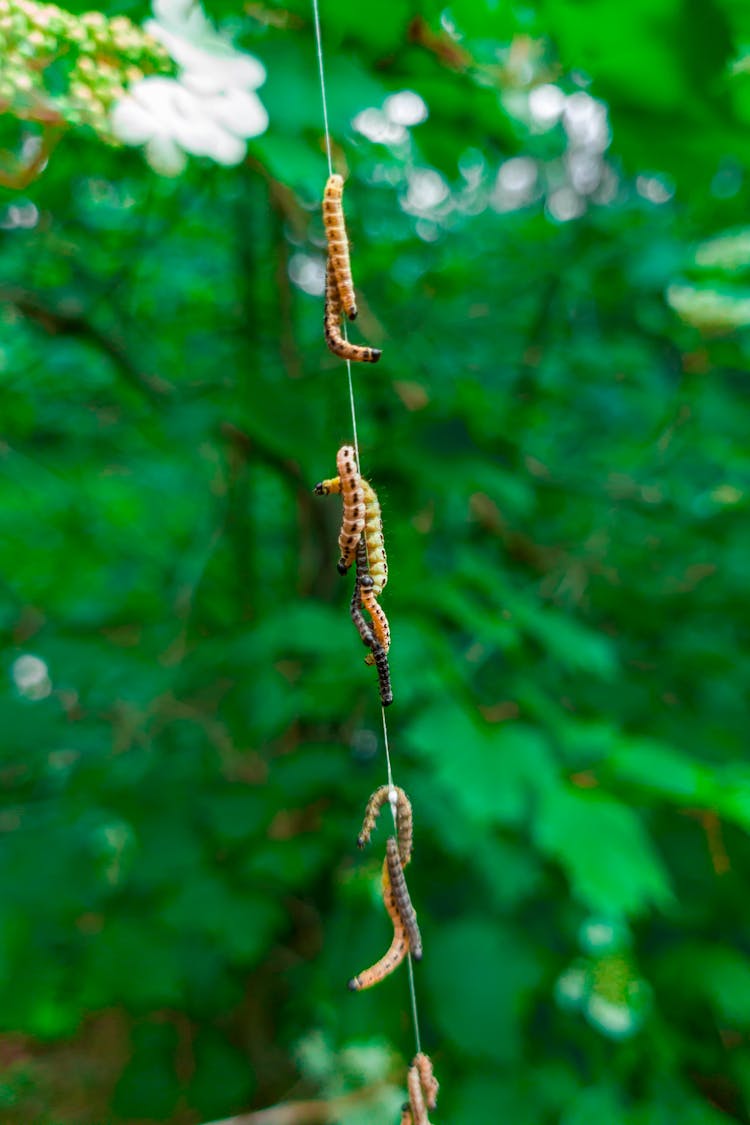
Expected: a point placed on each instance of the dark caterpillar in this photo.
(401, 896)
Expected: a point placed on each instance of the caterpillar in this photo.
(384, 673)
(344, 349)
(353, 518)
(406, 1117)
(376, 559)
(380, 627)
(378, 654)
(338, 243)
(428, 1081)
(398, 948)
(416, 1097)
(355, 610)
(404, 820)
(401, 897)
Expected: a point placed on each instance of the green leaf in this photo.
(604, 850)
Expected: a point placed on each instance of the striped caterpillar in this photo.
(357, 616)
(338, 243)
(404, 820)
(384, 673)
(416, 1097)
(402, 899)
(366, 581)
(378, 655)
(353, 516)
(397, 950)
(332, 327)
(380, 627)
(374, 542)
(428, 1081)
(423, 1091)
(352, 545)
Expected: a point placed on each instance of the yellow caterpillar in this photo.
(374, 541)
(397, 950)
(353, 517)
(332, 327)
(338, 243)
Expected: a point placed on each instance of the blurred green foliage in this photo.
(558, 435)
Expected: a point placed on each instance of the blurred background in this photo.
(547, 205)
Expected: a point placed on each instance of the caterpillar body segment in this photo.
(404, 820)
(427, 1079)
(344, 349)
(376, 559)
(416, 1097)
(397, 950)
(384, 673)
(357, 616)
(380, 626)
(353, 517)
(338, 243)
(401, 897)
(404, 826)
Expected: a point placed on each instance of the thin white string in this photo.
(350, 381)
(319, 47)
(324, 99)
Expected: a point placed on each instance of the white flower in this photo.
(210, 109)
(215, 61)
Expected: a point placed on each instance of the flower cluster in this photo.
(59, 68)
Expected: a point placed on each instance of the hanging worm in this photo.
(401, 896)
(380, 626)
(374, 542)
(332, 327)
(380, 630)
(428, 1081)
(406, 1117)
(353, 518)
(416, 1097)
(376, 560)
(355, 609)
(398, 949)
(384, 673)
(338, 243)
(404, 820)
